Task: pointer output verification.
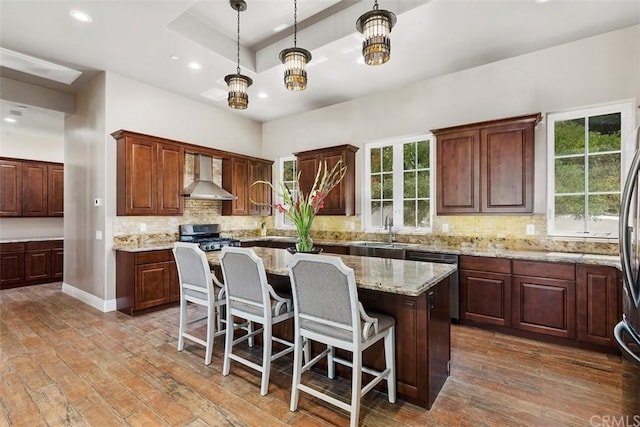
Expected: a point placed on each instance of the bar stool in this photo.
(250, 297)
(198, 286)
(327, 310)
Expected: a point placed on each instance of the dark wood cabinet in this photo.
(598, 303)
(31, 188)
(486, 167)
(485, 290)
(238, 175)
(31, 263)
(149, 175)
(341, 200)
(544, 298)
(10, 187)
(145, 280)
(55, 189)
(11, 265)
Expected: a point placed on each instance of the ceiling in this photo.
(137, 39)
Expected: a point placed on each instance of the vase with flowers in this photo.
(302, 208)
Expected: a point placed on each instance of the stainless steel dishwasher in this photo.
(453, 279)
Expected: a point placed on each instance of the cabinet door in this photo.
(458, 172)
(485, 297)
(170, 179)
(55, 177)
(598, 302)
(546, 306)
(307, 167)
(335, 203)
(57, 263)
(235, 179)
(11, 269)
(152, 284)
(257, 193)
(174, 282)
(34, 189)
(506, 156)
(38, 265)
(137, 176)
(10, 188)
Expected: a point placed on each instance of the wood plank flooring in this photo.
(64, 363)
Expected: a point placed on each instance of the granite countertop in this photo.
(410, 278)
(496, 252)
(30, 239)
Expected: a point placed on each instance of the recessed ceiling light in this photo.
(81, 16)
(280, 28)
(194, 65)
(263, 95)
(10, 120)
(174, 57)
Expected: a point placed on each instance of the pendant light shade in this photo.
(376, 26)
(295, 59)
(238, 84)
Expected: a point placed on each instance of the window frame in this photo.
(625, 108)
(398, 179)
(280, 218)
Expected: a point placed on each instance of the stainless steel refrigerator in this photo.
(627, 332)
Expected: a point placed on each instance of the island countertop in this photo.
(411, 278)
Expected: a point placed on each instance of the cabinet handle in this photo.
(432, 299)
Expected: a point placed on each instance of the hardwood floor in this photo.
(64, 363)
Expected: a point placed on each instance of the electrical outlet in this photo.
(445, 228)
(143, 227)
(531, 229)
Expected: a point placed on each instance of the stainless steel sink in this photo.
(378, 249)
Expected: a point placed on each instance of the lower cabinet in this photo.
(598, 303)
(145, 280)
(485, 290)
(31, 263)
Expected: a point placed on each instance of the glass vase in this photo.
(304, 243)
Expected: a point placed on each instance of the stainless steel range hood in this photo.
(203, 186)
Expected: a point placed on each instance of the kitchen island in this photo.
(415, 293)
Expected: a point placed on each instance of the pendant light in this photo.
(238, 84)
(376, 25)
(295, 59)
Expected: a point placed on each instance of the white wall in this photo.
(596, 70)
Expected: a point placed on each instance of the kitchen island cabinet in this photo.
(145, 280)
(415, 293)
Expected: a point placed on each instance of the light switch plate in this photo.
(445, 228)
(98, 234)
(531, 229)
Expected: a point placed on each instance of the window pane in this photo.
(376, 214)
(288, 170)
(423, 213)
(604, 172)
(409, 156)
(387, 159)
(604, 133)
(423, 184)
(375, 160)
(410, 185)
(409, 208)
(604, 205)
(423, 155)
(387, 186)
(387, 211)
(570, 206)
(569, 175)
(376, 188)
(569, 137)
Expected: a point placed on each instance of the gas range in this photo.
(206, 235)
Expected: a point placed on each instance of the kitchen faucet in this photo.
(388, 225)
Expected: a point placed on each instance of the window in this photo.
(399, 176)
(288, 175)
(586, 170)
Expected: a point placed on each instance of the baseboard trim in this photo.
(99, 304)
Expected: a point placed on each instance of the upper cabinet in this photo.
(238, 175)
(31, 188)
(486, 167)
(149, 175)
(341, 200)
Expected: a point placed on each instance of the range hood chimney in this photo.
(203, 186)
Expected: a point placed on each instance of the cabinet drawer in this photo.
(154, 256)
(496, 265)
(43, 245)
(7, 248)
(549, 270)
